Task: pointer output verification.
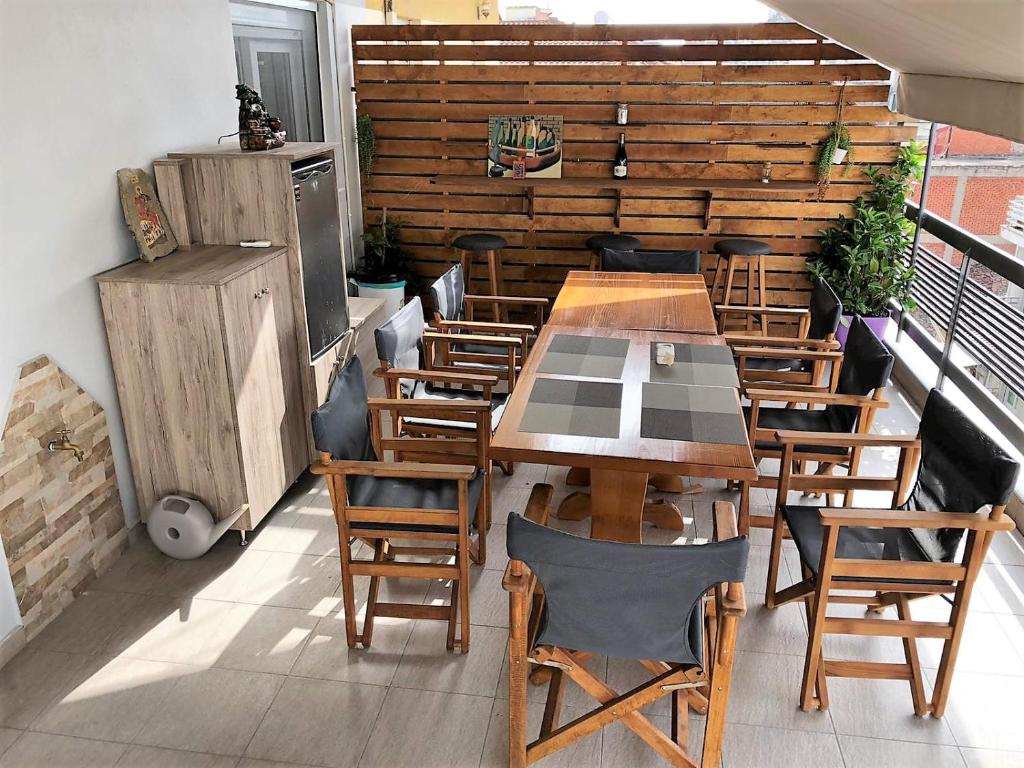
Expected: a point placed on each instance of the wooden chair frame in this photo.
(760, 347)
(749, 311)
(706, 690)
(810, 396)
(452, 459)
(886, 581)
(514, 339)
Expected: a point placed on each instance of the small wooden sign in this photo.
(144, 214)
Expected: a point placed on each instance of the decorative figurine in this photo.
(257, 131)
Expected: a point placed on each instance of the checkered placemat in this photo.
(593, 356)
(704, 364)
(564, 407)
(694, 413)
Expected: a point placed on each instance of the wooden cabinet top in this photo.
(201, 265)
(293, 150)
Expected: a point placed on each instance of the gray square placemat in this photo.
(694, 413)
(594, 356)
(704, 364)
(582, 408)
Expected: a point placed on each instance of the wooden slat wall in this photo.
(705, 101)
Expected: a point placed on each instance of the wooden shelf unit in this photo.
(709, 187)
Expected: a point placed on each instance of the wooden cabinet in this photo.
(204, 348)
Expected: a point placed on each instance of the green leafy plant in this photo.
(366, 144)
(838, 138)
(383, 258)
(862, 257)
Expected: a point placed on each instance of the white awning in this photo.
(959, 62)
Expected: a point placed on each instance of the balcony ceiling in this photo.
(956, 61)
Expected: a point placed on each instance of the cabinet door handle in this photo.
(261, 293)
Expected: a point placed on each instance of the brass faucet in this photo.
(63, 443)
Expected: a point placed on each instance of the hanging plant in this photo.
(836, 149)
(366, 144)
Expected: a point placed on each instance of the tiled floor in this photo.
(238, 660)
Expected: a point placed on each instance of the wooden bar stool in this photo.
(611, 242)
(734, 252)
(490, 246)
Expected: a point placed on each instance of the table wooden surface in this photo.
(635, 300)
(619, 467)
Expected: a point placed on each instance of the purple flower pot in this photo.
(878, 325)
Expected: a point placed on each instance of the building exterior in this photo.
(434, 12)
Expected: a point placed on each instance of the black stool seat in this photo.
(480, 241)
(612, 242)
(741, 247)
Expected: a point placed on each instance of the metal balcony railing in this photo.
(970, 332)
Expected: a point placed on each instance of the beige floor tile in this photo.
(1006, 549)
(985, 647)
(264, 638)
(154, 757)
(864, 647)
(424, 729)
(7, 737)
(320, 722)
(194, 632)
(984, 711)
(766, 691)
(497, 553)
(220, 571)
(328, 657)
(622, 747)
(113, 703)
(86, 624)
(288, 580)
(749, 746)
(585, 753)
(427, 665)
(871, 753)
(139, 570)
(991, 758)
(235, 582)
(1000, 588)
(315, 532)
(488, 601)
(147, 615)
(34, 678)
(882, 709)
(44, 750)
(215, 710)
(772, 630)
(252, 762)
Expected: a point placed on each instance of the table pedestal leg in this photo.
(577, 476)
(674, 484)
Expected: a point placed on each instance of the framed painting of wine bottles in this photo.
(524, 146)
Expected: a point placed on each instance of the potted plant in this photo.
(862, 257)
(382, 272)
(837, 147)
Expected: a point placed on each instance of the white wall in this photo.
(87, 88)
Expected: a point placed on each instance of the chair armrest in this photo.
(724, 521)
(786, 354)
(407, 405)
(826, 398)
(747, 340)
(518, 577)
(741, 309)
(395, 469)
(462, 338)
(485, 327)
(846, 439)
(524, 300)
(447, 376)
(898, 518)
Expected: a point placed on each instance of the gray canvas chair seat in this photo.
(409, 493)
(424, 391)
(796, 419)
(594, 589)
(771, 364)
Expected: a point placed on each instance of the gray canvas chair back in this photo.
(400, 340)
(867, 364)
(448, 292)
(341, 426)
(677, 262)
(826, 310)
(962, 470)
(635, 601)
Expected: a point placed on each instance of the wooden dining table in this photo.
(574, 407)
(650, 301)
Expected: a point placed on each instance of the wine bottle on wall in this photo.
(621, 161)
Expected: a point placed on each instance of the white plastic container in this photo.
(393, 294)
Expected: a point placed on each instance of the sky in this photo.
(652, 11)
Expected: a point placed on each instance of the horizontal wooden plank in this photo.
(518, 51)
(541, 72)
(654, 93)
(586, 32)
